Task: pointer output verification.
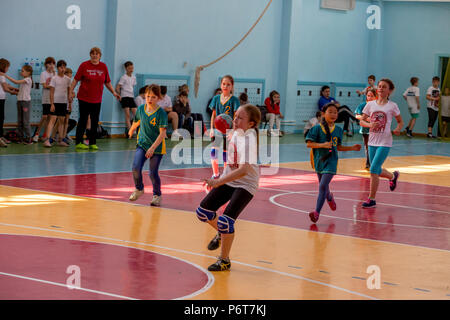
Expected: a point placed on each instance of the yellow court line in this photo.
(268, 262)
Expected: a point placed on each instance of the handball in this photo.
(223, 122)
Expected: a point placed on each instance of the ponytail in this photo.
(327, 131)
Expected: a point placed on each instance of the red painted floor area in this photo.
(110, 269)
(414, 214)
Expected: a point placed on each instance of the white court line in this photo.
(196, 254)
(272, 200)
(354, 200)
(209, 275)
(66, 286)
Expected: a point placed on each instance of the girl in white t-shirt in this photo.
(125, 88)
(59, 98)
(23, 103)
(4, 88)
(45, 78)
(412, 97)
(237, 185)
(380, 113)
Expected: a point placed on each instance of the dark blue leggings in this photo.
(138, 164)
(324, 189)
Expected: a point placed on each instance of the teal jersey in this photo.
(359, 110)
(228, 107)
(149, 128)
(318, 134)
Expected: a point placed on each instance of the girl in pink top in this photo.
(377, 115)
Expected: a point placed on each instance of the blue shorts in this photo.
(377, 156)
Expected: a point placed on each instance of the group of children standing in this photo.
(412, 97)
(56, 102)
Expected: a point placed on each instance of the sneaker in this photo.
(5, 140)
(156, 201)
(215, 242)
(370, 203)
(69, 139)
(393, 182)
(430, 135)
(47, 144)
(409, 134)
(62, 144)
(36, 138)
(314, 216)
(93, 147)
(3, 144)
(66, 141)
(81, 146)
(332, 203)
(136, 194)
(349, 134)
(27, 141)
(274, 133)
(86, 142)
(220, 265)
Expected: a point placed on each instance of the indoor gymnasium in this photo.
(237, 150)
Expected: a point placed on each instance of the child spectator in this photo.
(4, 88)
(411, 95)
(273, 113)
(69, 124)
(183, 110)
(433, 94)
(59, 98)
(23, 103)
(140, 99)
(445, 111)
(166, 104)
(371, 95)
(371, 82)
(345, 114)
(312, 122)
(125, 88)
(208, 109)
(243, 98)
(46, 76)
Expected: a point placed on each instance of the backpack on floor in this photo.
(12, 136)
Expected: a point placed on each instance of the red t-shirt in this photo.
(272, 108)
(93, 78)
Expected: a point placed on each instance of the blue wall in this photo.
(296, 40)
(414, 33)
(37, 29)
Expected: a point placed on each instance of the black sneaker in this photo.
(220, 265)
(369, 204)
(393, 182)
(409, 134)
(214, 243)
